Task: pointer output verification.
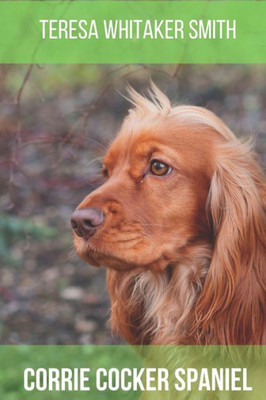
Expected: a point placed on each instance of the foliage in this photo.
(14, 230)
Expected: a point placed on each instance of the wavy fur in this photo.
(195, 273)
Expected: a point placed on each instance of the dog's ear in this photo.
(232, 303)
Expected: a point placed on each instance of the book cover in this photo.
(132, 219)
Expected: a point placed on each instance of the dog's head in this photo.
(164, 190)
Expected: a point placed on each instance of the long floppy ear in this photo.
(231, 307)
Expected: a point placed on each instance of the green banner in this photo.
(124, 372)
(132, 32)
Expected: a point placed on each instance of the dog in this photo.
(180, 225)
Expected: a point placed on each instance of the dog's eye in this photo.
(159, 168)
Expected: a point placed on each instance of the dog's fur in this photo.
(185, 251)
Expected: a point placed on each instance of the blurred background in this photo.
(55, 123)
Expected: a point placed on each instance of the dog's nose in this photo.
(86, 221)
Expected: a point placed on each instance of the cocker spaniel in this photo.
(180, 225)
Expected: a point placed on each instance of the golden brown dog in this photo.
(180, 224)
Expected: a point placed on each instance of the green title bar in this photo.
(124, 372)
(132, 32)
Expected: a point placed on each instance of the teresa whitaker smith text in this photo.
(133, 379)
(138, 29)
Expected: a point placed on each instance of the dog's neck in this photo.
(156, 308)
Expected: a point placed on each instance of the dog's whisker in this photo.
(160, 225)
(95, 159)
(151, 240)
